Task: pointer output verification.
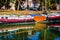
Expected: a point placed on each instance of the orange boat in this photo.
(39, 18)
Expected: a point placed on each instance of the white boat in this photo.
(15, 18)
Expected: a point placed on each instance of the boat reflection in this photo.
(27, 32)
(39, 26)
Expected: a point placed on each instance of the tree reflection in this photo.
(48, 36)
(39, 32)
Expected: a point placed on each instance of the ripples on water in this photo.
(28, 32)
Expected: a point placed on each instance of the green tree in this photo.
(48, 3)
(41, 0)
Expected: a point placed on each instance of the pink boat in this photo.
(15, 18)
(54, 16)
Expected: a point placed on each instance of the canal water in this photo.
(33, 31)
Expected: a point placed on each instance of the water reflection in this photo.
(28, 32)
(39, 26)
(34, 37)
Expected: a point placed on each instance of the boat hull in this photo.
(15, 20)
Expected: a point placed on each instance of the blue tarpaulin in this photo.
(35, 15)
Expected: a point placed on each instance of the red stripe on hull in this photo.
(54, 17)
(54, 24)
(15, 20)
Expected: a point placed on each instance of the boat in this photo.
(54, 17)
(39, 17)
(15, 18)
(22, 18)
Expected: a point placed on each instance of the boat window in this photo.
(6, 17)
(2, 17)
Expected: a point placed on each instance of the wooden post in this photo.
(18, 4)
(45, 5)
(26, 4)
